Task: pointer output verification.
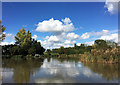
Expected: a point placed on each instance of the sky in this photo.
(56, 24)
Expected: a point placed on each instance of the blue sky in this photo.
(85, 21)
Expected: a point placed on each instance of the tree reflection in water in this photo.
(108, 71)
(22, 70)
(60, 70)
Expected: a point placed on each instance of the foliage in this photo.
(32, 51)
(24, 45)
(102, 51)
(100, 44)
(2, 29)
(108, 54)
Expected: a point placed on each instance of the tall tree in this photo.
(26, 44)
(22, 37)
(100, 44)
(2, 29)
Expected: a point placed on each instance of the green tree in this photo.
(23, 40)
(111, 44)
(101, 44)
(2, 29)
(75, 45)
(22, 37)
(48, 51)
(32, 51)
(25, 44)
(14, 50)
(61, 49)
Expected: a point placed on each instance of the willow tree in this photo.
(2, 29)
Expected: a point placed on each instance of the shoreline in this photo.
(63, 56)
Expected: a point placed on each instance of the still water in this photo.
(58, 71)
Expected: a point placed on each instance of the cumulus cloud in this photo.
(62, 35)
(103, 32)
(52, 25)
(68, 42)
(89, 43)
(113, 37)
(56, 41)
(47, 37)
(53, 39)
(8, 39)
(34, 37)
(112, 6)
(46, 44)
(85, 36)
(78, 44)
(72, 36)
(66, 20)
(9, 36)
(6, 43)
(68, 39)
(51, 42)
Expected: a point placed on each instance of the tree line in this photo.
(98, 44)
(24, 45)
(101, 51)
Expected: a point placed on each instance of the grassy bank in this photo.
(22, 57)
(101, 56)
(94, 56)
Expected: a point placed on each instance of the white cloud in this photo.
(67, 42)
(34, 37)
(60, 30)
(85, 36)
(113, 37)
(89, 43)
(112, 6)
(74, 41)
(103, 32)
(72, 36)
(62, 35)
(55, 42)
(52, 25)
(6, 43)
(12, 42)
(9, 35)
(66, 20)
(53, 39)
(78, 44)
(46, 44)
(47, 37)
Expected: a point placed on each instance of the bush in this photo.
(28, 56)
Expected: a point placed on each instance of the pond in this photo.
(58, 71)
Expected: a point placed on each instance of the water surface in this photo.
(58, 71)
